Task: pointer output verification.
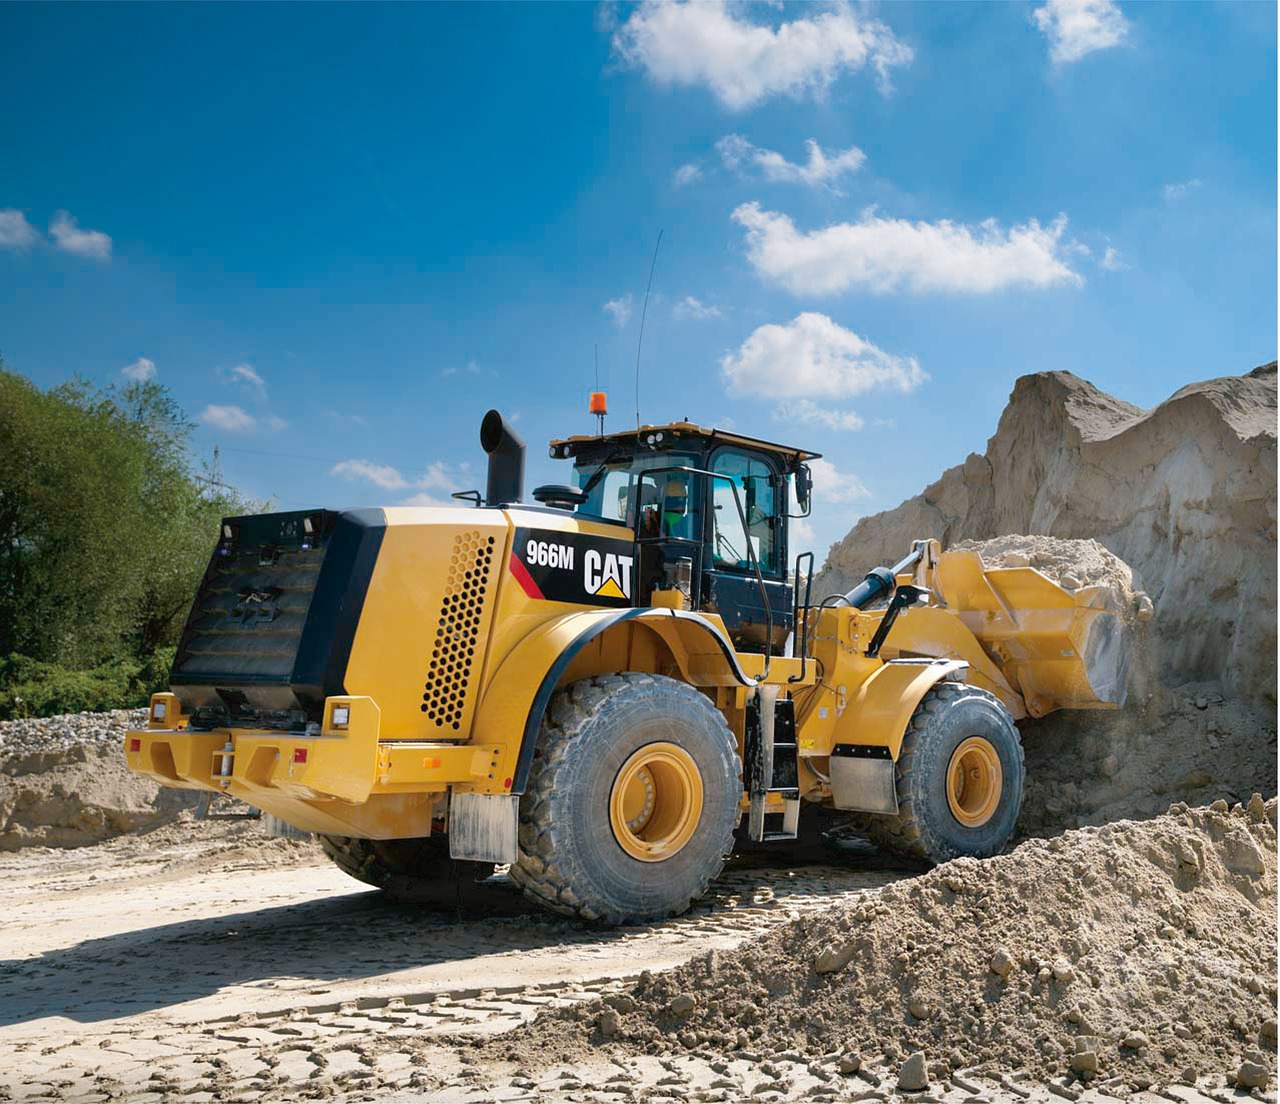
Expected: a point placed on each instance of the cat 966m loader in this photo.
(606, 686)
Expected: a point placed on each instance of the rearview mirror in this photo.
(804, 487)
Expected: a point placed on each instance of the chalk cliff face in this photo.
(1185, 493)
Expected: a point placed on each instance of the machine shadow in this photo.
(350, 937)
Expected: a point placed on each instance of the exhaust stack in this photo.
(506, 460)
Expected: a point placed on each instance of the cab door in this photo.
(732, 551)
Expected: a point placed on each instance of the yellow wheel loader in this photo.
(604, 687)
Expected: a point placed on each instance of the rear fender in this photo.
(518, 694)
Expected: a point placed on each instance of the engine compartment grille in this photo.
(468, 586)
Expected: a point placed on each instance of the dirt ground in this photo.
(137, 966)
(202, 961)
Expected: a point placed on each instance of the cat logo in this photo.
(579, 568)
(607, 575)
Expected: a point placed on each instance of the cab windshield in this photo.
(616, 491)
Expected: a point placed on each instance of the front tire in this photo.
(960, 778)
(632, 801)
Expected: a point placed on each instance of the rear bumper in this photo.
(331, 772)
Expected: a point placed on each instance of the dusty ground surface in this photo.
(204, 957)
(202, 961)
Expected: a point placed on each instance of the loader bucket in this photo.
(1060, 649)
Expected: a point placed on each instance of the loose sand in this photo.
(1144, 949)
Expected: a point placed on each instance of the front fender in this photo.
(879, 712)
(518, 694)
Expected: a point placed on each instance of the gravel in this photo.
(37, 735)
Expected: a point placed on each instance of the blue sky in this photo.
(341, 233)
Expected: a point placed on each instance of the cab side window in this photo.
(758, 493)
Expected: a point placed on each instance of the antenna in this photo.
(640, 341)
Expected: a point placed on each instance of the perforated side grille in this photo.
(465, 589)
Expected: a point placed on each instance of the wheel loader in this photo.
(607, 686)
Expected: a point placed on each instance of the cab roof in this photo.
(673, 435)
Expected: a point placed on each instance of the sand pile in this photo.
(1193, 744)
(1185, 493)
(1138, 949)
(1069, 563)
(64, 783)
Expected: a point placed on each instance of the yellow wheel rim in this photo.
(974, 782)
(656, 802)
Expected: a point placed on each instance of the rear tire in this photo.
(956, 729)
(412, 871)
(579, 855)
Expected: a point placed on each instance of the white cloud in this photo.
(821, 170)
(1182, 189)
(422, 498)
(233, 419)
(472, 368)
(691, 308)
(802, 534)
(743, 62)
(812, 355)
(68, 237)
(883, 254)
(277, 423)
(15, 231)
(247, 376)
(1111, 260)
(1075, 28)
(139, 371)
(438, 477)
(830, 484)
(686, 174)
(807, 412)
(620, 310)
(381, 475)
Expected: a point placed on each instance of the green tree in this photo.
(104, 528)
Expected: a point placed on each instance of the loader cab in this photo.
(708, 511)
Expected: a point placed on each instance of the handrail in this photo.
(746, 534)
(795, 617)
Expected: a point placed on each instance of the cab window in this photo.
(618, 491)
(757, 491)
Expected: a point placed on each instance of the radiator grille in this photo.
(248, 617)
(449, 672)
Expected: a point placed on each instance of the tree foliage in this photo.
(104, 529)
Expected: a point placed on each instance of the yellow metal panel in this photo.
(333, 764)
(383, 816)
(183, 760)
(930, 631)
(503, 709)
(414, 766)
(882, 705)
(419, 648)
